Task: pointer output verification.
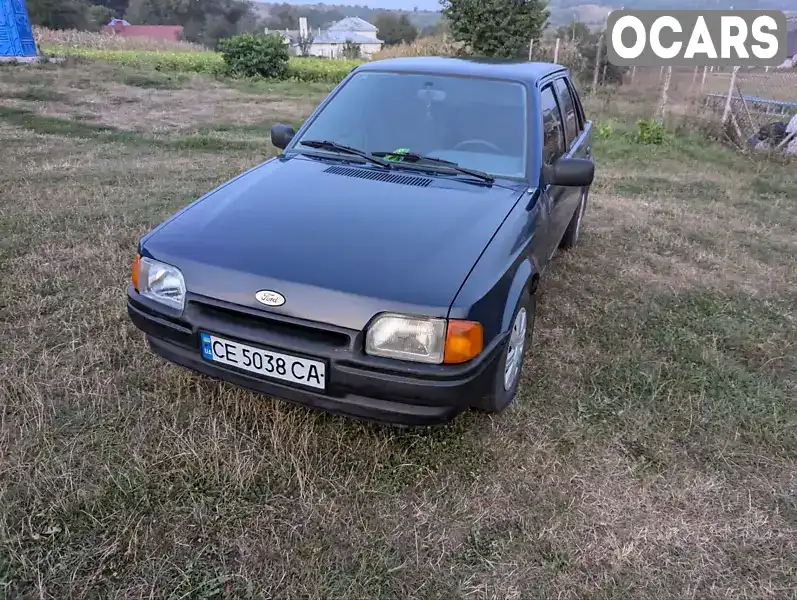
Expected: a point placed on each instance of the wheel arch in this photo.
(527, 278)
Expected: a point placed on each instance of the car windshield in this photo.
(477, 123)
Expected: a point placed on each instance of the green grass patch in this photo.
(154, 80)
(304, 69)
(35, 94)
(208, 63)
(200, 141)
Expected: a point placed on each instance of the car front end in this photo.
(399, 368)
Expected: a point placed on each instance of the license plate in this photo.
(273, 365)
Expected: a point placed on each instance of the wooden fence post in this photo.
(664, 89)
(598, 57)
(556, 53)
(731, 87)
(531, 47)
(703, 83)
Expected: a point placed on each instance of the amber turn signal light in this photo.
(134, 274)
(464, 341)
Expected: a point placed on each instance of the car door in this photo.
(553, 149)
(577, 142)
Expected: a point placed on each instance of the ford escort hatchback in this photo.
(385, 264)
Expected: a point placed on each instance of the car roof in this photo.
(529, 72)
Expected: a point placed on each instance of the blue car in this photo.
(385, 264)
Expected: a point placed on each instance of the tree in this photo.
(203, 21)
(395, 29)
(117, 7)
(575, 31)
(59, 14)
(98, 15)
(351, 50)
(305, 41)
(588, 47)
(496, 28)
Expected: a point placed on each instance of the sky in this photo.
(390, 4)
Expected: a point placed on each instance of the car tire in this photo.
(573, 231)
(504, 386)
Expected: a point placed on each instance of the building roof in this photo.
(529, 72)
(352, 24)
(341, 37)
(331, 36)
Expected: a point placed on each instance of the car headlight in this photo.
(159, 282)
(421, 339)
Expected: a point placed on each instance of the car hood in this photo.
(339, 247)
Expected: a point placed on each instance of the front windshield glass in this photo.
(476, 123)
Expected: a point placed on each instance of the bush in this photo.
(316, 69)
(651, 132)
(351, 51)
(605, 129)
(255, 55)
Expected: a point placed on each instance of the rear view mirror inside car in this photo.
(428, 95)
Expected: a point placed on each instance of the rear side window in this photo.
(572, 125)
(553, 137)
(579, 107)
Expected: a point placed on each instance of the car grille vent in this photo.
(387, 177)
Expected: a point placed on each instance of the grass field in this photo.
(651, 452)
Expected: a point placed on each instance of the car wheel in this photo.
(510, 365)
(570, 238)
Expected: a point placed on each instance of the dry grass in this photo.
(108, 41)
(651, 452)
(425, 46)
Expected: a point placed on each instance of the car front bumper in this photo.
(360, 386)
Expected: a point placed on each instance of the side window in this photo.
(553, 136)
(579, 107)
(569, 108)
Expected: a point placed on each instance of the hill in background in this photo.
(562, 11)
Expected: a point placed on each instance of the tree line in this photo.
(208, 21)
(203, 21)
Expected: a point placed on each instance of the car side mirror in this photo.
(281, 135)
(571, 172)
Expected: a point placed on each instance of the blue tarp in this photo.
(16, 37)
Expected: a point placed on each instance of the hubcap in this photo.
(514, 356)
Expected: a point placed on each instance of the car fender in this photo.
(507, 267)
(526, 278)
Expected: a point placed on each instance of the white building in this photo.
(331, 41)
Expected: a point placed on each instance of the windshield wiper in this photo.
(335, 147)
(413, 157)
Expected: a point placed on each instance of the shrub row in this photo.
(209, 63)
(308, 70)
(108, 41)
(320, 69)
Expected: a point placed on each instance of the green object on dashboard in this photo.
(395, 156)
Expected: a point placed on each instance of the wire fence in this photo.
(752, 108)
